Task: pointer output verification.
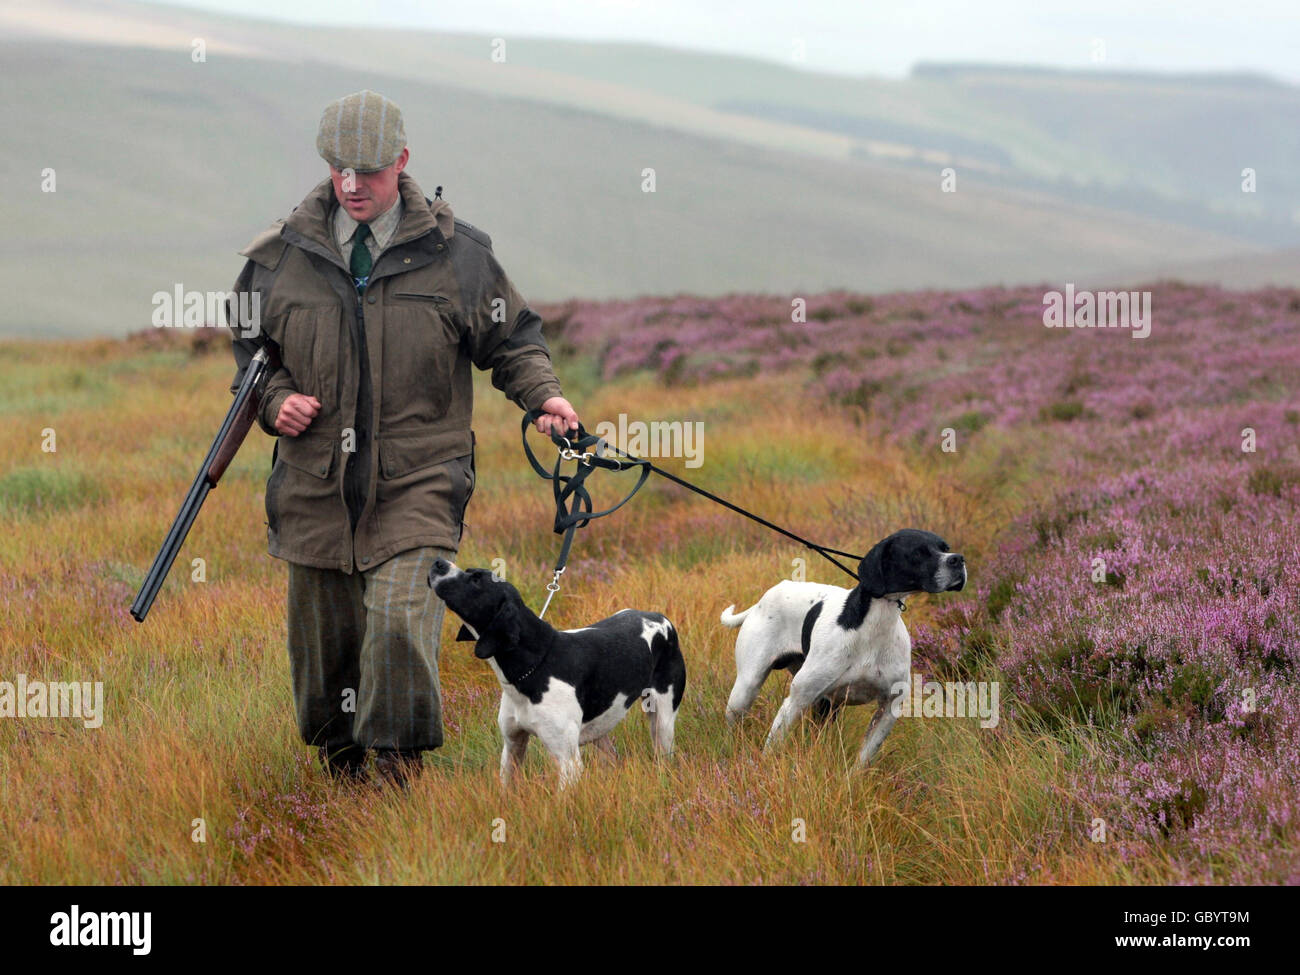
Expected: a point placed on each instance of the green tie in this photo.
(361, 260)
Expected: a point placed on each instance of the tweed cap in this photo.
(362, 131)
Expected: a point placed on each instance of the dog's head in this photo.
(491, 606)
(911, 561)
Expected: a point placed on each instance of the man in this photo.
(378, 301)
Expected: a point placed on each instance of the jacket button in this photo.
(441, 247)
(370, 300)
(366, 560)
(406, 260)
(324, 471)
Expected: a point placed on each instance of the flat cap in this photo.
(362, 132)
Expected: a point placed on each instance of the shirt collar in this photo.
(381, 228)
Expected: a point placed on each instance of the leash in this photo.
(573, 505)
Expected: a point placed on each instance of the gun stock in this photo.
(234, 428)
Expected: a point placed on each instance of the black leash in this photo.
(573, 505)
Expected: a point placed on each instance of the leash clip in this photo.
(568, 453)
(552, 588)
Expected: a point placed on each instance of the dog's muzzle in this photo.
(952, 577)
(442, 569)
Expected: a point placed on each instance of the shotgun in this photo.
(242, 414)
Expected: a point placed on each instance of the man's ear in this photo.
(871, 570)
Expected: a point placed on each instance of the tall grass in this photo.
(197, 774)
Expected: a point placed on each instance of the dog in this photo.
(567, 687)
(843, 646)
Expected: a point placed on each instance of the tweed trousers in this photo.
(363, 652)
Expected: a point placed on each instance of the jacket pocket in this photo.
(399, 456)
(463, 480)
(273, 494)
(423, 296)
(423, 484)
(311, 455)
(299, 485)
(309, 350)
(421, 351)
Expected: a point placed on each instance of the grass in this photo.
(198, 736)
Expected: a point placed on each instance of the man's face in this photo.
(366, 195)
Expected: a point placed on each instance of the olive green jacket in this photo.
(391, 448)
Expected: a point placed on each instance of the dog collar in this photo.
(530, 669)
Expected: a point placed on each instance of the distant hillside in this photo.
(769, 179)
(1246, 272)
(965, 70)
(165, 168)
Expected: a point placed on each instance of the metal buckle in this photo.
(552, 588)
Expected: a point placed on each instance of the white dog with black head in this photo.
(844, 646)
(566, 687)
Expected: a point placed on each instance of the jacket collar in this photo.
(381, 227)
(311, 217)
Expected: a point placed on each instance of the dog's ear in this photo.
(505, 631)
(509, 621)
(871, 570)
(465, 634)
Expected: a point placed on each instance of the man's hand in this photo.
(297, 412)
(557, 414)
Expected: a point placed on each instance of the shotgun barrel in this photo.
(242, 414)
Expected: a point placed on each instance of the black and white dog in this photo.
(844, 646)
(567, 687)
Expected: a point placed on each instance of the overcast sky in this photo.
(883, 37)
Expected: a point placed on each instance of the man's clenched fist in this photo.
(557, 414)
(296, 414)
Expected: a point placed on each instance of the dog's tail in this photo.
(735, 619)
